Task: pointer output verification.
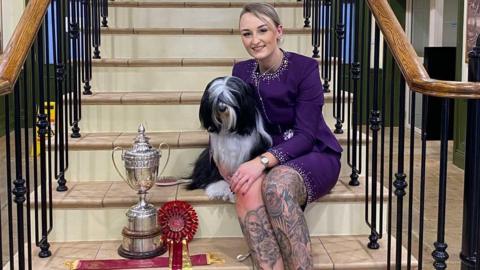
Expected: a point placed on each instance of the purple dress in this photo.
(291, 101)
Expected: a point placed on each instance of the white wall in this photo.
(11, 12)
(450, 14)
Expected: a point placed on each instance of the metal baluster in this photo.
(322, 30)
(316, 28)
(471, 212)
(349, 61)
(375, 122)
(60, 91)
(73, 35)
(382, 136)
(51, 172)
(367, 110)
(96, 28)
(390, 163)
(86, 48)
(422, 181)
(400, 184)
(343, 60)
(42, 124)
(340, 30)
(411, 173)
(19, 189)
(306, 13)
(326, 46)
(8, 154)
(334, 61)
(440, 254)
(355, 77)
(363, 69)
(27, 157)
(104, 13)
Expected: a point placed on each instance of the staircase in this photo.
(157, 58)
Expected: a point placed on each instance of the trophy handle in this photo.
(115, 164)
(168, 156)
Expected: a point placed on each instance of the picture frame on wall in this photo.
(473, 25)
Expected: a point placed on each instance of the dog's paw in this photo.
(220, 190)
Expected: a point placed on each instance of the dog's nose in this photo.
(222, 107)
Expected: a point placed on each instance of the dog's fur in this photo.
(237, 134)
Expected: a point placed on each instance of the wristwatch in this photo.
(264, 160)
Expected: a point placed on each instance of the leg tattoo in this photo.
(283, 193)
(259, 234)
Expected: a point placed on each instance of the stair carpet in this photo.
(88, 217)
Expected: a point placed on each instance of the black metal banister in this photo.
(30, 109)
(371, 81)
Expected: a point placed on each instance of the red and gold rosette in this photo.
(179, 223)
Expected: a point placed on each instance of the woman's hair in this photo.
(262, 10)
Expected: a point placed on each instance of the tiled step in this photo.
(190, 43)
(196, 4)
(176, 140)
(153, 98)
(192, 15)
(159, 74)
(329, 252)
(191, 31)
(96, 210)
(114, 111)
(171, 62)
(91, 156)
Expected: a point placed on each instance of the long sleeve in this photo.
(308, 114)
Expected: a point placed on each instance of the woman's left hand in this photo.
(246, 175)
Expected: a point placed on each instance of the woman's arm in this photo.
(308, 114)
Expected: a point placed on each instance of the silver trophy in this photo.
(142, 236)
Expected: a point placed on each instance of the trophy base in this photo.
(141, 245)
(141, 254)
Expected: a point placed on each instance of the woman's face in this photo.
(259, 37)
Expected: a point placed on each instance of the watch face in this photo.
(264, 160)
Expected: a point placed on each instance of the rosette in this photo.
(178, 221)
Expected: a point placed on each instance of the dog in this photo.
(236, 134)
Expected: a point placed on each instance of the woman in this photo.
(304, 162)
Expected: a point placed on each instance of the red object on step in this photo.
(197, 260)
(178, 221)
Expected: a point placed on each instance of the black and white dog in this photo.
(236, 130)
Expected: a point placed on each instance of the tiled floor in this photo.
(332, 252)
(454, 204)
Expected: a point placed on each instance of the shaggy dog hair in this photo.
(236, 130)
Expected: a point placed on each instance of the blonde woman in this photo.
(304, 162)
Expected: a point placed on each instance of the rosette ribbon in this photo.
(179, 223)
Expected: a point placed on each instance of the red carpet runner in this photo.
(197, 260)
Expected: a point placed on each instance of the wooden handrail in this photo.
(415, 74)
(20, 43)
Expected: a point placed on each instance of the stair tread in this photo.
(190, 31)
(206, 4)
(153, 98)
(170, 62)
(329, 252)
(175, 139)
(100, 194)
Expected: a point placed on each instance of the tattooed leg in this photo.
(257, 229)
(283, 192)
